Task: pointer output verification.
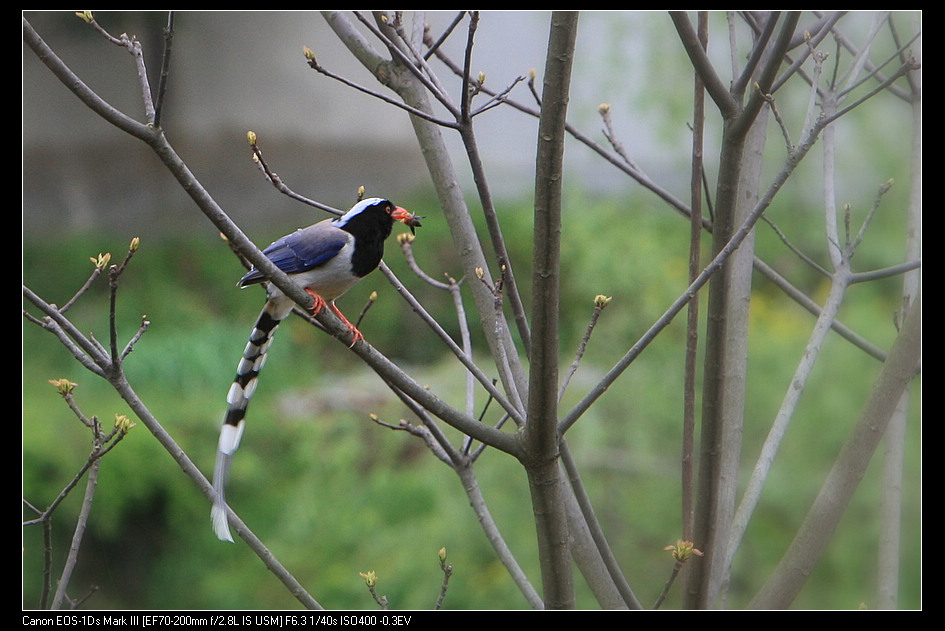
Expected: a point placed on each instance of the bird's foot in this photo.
(319, 301)
(356, 335)
(320, 304)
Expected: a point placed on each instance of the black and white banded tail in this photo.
(244, 385)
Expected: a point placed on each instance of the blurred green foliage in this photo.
(335, 494)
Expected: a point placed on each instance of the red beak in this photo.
(406, 217)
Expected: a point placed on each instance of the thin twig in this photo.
(165, 69)
(433, 46)
(276, 181)
(447, 569)
(600, 301)
(96, 272)
(697, 181)
(77, 535)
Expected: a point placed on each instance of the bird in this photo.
(327, 259)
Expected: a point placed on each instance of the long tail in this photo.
(247, 373)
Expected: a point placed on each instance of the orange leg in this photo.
(320, 304)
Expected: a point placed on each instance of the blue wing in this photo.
(302, 250)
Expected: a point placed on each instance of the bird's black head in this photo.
(370, 221)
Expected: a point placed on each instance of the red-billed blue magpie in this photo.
(327, 259)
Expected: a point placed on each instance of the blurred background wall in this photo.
(232, 72)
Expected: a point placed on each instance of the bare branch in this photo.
(714, 85)
(541, 434)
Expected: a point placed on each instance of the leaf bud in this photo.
(64, 386)
(123, 423)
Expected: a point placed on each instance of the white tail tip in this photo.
(220, 471)
(220, 525)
